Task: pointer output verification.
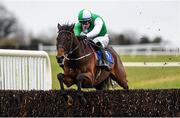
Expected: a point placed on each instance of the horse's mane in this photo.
(67, 27)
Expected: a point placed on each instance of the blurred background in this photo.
(32, 24)
(140, 30)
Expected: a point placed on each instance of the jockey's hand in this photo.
(83, 37)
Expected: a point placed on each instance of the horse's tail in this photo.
(107, 84)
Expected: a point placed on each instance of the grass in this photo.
(152, 58)
(140, 77)
(55, 70)
(153, 78)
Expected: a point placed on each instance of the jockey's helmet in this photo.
(84, 16)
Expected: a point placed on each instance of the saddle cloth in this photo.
(109, 57)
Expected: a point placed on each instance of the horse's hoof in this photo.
(60, 76)
(64, 94)
(69, 101)
(83, 101)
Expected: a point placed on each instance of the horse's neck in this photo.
(85, 48)
(80, 57)
(82, 50)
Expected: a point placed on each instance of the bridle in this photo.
(61, 46)
(71, 49)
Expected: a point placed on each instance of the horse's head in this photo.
(66, 41)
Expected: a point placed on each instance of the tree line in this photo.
(131, 37)
(14, 36)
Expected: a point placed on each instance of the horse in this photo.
(80, 63)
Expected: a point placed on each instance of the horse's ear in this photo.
(59, 26)
(72, 27)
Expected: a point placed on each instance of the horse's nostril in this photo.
(62, 57)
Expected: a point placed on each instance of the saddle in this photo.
(109, 57)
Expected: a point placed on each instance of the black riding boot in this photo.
(104, 63)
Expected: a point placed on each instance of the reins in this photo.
(74, 49)
(79, 58)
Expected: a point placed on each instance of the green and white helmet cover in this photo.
(84, 15)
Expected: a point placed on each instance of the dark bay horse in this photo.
(80, 63)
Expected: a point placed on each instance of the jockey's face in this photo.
(85, 25)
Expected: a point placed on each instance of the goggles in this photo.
(84, 22)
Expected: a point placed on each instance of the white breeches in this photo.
(104, 40)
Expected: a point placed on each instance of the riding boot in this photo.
(105, 64)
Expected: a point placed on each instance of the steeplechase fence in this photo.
(118, 103)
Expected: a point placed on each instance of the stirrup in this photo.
(106, 67)
(102, 64)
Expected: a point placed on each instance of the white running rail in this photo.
(25, 70)
(141, 49)
(151, 64)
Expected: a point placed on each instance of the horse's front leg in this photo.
(80, 78)
(60, 77)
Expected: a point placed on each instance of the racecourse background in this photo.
(140, 77)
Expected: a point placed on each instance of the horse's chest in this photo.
(74, 72)
(71, 72)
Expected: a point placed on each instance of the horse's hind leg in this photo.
(120, 76)
(118, 70)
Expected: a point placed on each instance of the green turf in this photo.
(156, 77)
(140, 77)
(152, 58)
(55, 70)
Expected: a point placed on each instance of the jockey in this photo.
(93, 27)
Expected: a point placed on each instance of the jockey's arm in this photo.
(98, 23)
(77, 29)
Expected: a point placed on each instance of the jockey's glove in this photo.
(83, 37)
